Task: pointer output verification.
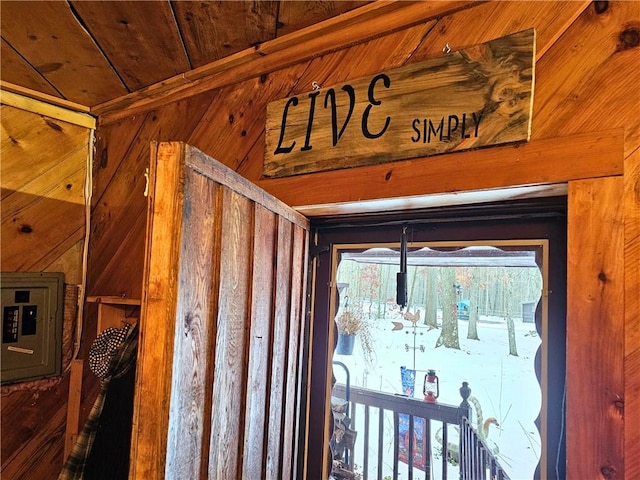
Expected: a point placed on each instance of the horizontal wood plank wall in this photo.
(595, 330)
(221, 321)
(43, 169)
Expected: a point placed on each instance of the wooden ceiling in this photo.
(92, 52)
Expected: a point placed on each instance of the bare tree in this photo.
(474, 301)
(431, 296)
(449, 333)
(507, 289)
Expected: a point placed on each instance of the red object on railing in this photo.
(431, 388)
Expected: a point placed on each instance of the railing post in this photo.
(464, 412)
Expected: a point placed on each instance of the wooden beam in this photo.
(73, 406)
(47, 108)
(539, 162)
(358, 25)
(595, 329)
(632, 315)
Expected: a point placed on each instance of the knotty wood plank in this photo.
(585, 80)
(462, 28)
(63, 182)
(595, 270)
(15, 69)
(280, 325)
(295, 15)
(33, 145)
(117, 25)
(345, 30)
(195, 332)
(538, 162)
(111, 221)
(240, 123)
(40, 232)
(259, 365)
(212, 30)
(229, 382)
(29, 28)
(632, 315)
(111, 154)
(407, 112)
(289, 437)
(155, 347)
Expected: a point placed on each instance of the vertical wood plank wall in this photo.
(585, 92)
(220, 326)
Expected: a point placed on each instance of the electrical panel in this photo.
(32, 312)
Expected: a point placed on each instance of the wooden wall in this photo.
(44, 165)
(585, 126)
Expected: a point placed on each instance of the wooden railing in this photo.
(373, 413)
(476, 460)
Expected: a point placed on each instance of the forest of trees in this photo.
(486, 291)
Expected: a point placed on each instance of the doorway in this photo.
(538, 227)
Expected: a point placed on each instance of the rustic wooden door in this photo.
(218, 381)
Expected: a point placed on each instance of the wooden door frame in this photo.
(523, 221)
(602, 194)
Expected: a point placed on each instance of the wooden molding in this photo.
(66, 113)
(540, 162)
(353, 27)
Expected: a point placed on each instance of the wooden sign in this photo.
(476, 97)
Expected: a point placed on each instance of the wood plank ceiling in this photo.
(91, 52)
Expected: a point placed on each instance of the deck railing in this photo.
(476, 460)
(413, 423)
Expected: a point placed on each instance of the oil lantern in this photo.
(431, 388)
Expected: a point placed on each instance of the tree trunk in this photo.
(507, 283)
(410, 299)
(474, 301)
(431, 298)
(512, 337)
(449, 333)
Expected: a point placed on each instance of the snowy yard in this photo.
(505, 385)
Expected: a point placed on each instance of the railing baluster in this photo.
(380, 440)
(410, 440)
(427, 446)
(396, 444)
(365, 460)
(445, 449)
(353, 427)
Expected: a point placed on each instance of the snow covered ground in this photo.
(505, 385)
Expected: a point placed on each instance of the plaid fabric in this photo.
(119, 363)
(104, 348)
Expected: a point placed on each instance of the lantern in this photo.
(431, 388)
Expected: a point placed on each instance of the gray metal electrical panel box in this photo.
(32, 312)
